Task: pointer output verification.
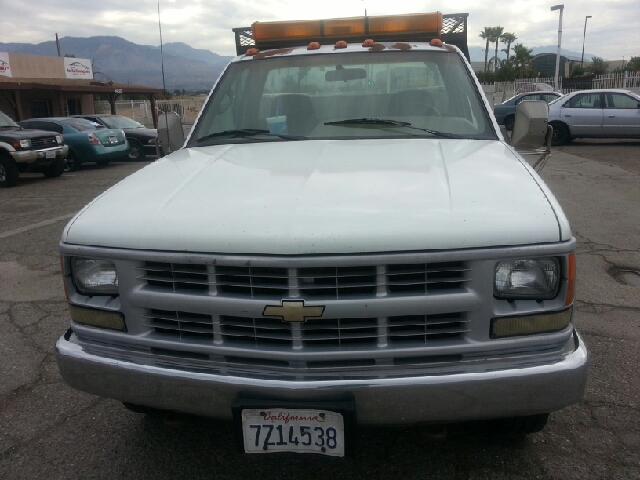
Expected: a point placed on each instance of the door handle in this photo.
(566, 116)
(611, 116)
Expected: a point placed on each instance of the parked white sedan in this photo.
(595, 113)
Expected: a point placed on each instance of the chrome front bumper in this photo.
(523, 390)
(32, 156)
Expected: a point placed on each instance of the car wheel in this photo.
(71, 163)
(8, 172)
(561, 135)
(137, 151)
(54, 170)
(508, 122)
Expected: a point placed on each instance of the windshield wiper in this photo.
(10, 126)
(393, 123)
(248, 132)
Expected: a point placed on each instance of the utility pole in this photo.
(561, 8)
(584, 35)
(58, 45)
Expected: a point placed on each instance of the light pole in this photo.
(584, 35)
(561, 8)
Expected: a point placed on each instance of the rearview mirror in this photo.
(530, 125)
(341, 74)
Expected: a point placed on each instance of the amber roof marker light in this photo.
(425, 24)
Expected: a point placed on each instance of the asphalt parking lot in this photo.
(48, 430)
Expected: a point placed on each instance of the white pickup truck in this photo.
(344, 238)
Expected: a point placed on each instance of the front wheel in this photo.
(137, 150)
(54, 170)
(71, 163)
(8, 172)
(561, 135)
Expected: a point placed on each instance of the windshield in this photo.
(5, 121)
(117, 121)
(352, 95)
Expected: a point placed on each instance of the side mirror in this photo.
(170, 133)
(530, 125)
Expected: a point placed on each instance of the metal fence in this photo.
(624, 80)
(140, 110)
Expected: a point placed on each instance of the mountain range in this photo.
(191, 69)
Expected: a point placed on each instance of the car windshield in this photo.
(118, 121)
(6, 122)
(81, 124)
(345, 96)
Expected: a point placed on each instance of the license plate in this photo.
(50, 155)
(113, 139)
(293, 430)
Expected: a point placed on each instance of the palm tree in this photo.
(495, 37)
(508, 38)
(486, 35)
(521, 57)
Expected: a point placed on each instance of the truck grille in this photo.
(45, 142)
(325, 282)
(313, 334)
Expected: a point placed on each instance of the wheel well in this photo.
(558, 122)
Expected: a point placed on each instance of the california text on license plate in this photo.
(50, 155)
(287, 430)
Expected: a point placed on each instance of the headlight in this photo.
(59, 139)
(94, 277)
(536, 278)
(25, 143)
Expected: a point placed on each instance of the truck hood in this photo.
(325, 196)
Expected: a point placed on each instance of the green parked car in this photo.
(87, 141)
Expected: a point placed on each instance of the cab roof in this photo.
(349, 48)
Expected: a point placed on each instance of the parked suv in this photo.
(26, 150)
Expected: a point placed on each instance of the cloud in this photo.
(205, 24)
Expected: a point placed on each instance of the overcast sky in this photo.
(612, 33)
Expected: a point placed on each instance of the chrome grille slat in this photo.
(335, 332)
(329, 282)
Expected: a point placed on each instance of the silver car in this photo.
(595, 113)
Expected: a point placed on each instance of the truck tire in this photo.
(8, 171)
(54, 170)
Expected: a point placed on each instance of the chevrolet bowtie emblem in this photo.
(293, 311)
